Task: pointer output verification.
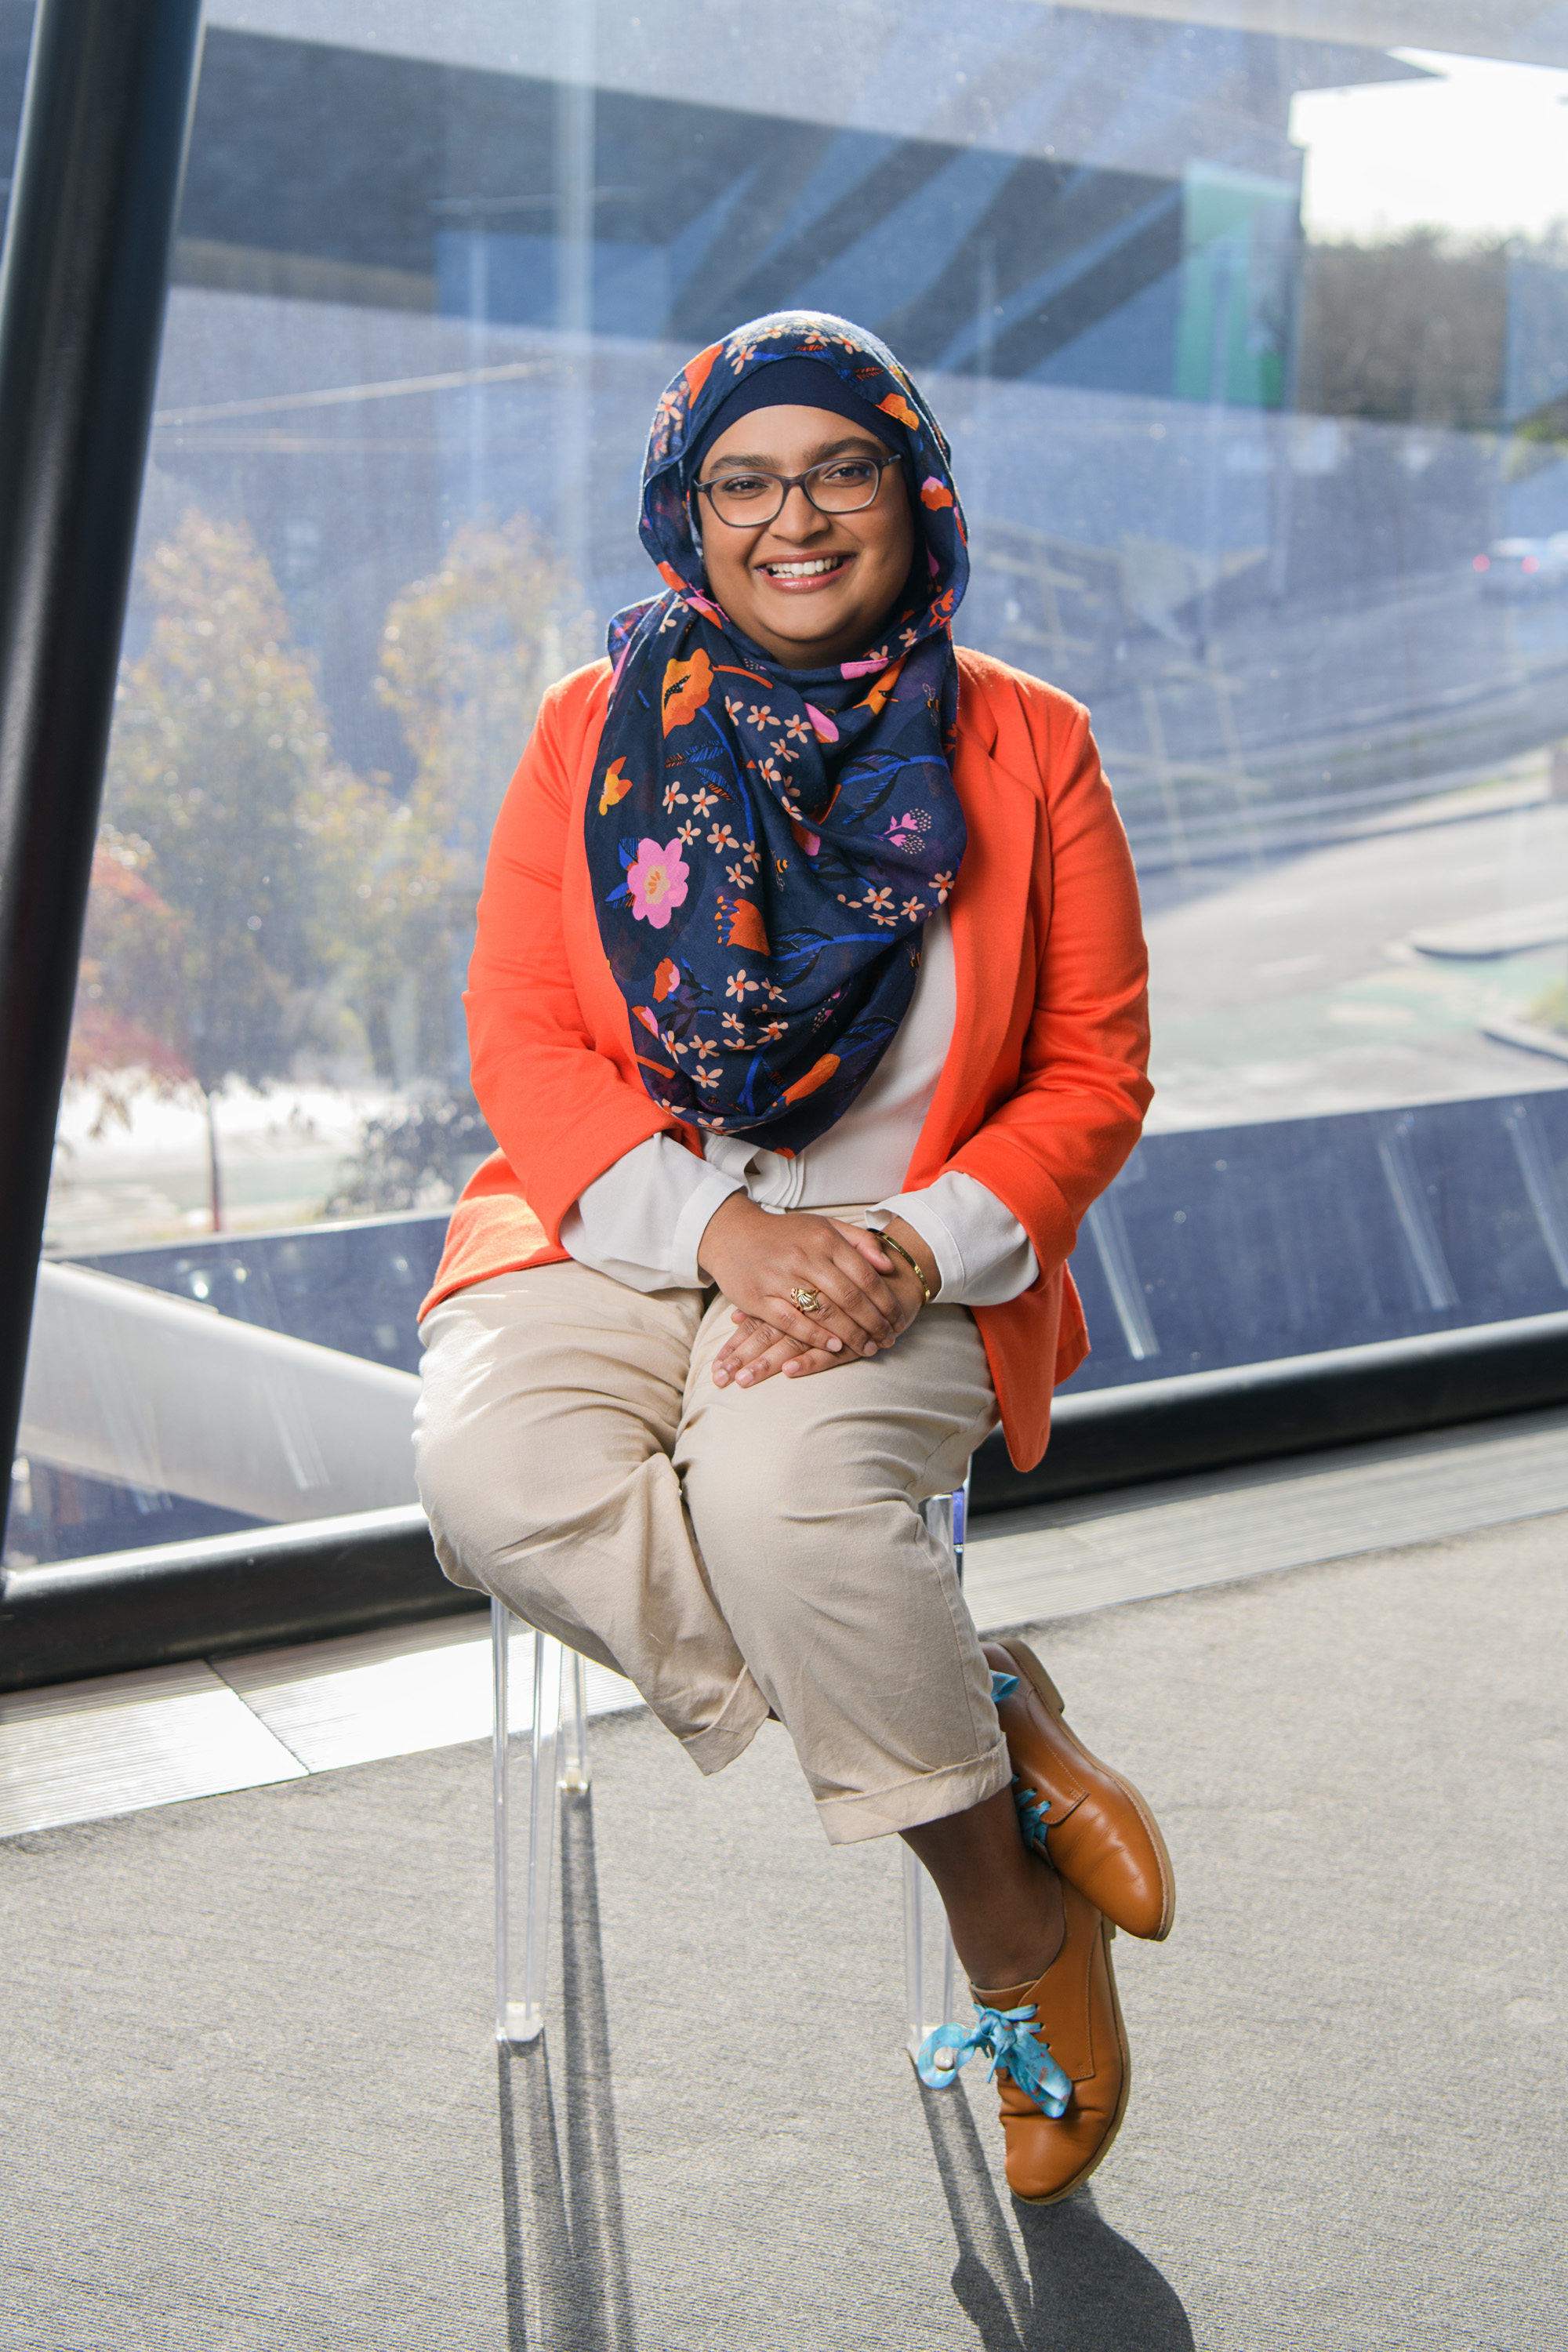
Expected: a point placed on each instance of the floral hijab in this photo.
(766, 845)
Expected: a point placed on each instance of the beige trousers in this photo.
(729, 1550)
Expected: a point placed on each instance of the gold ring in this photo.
(808, 1300)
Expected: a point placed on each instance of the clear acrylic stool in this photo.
(926, 1935)
(542, 1748)
(551, 1732)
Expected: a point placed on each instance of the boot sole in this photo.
(1034, 1673)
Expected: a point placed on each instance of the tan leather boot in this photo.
(1089, 1822)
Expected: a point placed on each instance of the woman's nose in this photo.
(797, 518)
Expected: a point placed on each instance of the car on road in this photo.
(1524, 567)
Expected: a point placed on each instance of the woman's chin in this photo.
(813, 630)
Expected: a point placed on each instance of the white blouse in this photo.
(643, 1220)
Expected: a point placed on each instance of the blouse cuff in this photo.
(641, 1222)
(983, 1254)
(707, 1196)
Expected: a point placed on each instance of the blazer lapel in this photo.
(987, 910)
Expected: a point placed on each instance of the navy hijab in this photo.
(765, 844)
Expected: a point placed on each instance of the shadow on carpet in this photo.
(567, 2281)
(1089, 2290)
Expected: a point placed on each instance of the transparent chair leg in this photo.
(925, 1921)
(929, 1956)
(573, 1720)
(526, 1799)
(914, 1954)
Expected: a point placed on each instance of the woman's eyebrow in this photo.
(813, 456)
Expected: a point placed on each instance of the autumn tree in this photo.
(247, 891)
(466, 654)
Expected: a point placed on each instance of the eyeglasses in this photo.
(838, 486)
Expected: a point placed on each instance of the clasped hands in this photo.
(867, 1294)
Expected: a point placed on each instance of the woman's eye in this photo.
(850, 470)
(742, 486)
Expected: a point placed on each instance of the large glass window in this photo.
(1254, 353)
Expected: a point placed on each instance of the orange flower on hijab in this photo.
(686, 688)
(618, 784)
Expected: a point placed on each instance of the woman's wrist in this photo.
(735, 1210)
(925, 1273)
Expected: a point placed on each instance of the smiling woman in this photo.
(808, 1010)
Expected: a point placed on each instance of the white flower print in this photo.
(688, 831)
(738, 985)
(771, 1029)
(760, 716)
(913, 909)
(722, 838)
(673, 796)
(797, 726)
(754, 856)
(739, 876)
(703, 800)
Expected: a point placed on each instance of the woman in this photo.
(808, 1010)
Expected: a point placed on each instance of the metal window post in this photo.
(105, 126)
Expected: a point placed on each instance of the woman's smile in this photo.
(793, 575)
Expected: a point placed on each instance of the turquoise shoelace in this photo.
(1032, 1808)
(1006, 2036)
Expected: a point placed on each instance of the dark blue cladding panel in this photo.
(1237, 1245)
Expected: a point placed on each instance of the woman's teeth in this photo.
(804, 570)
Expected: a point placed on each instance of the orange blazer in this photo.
(1043, 1091)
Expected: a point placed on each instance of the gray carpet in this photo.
(251, 2100)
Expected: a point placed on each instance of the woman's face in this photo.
(811, 589)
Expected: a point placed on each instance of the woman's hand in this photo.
(761, 1345)
(758, 1260)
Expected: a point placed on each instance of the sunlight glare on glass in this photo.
(1479, 149)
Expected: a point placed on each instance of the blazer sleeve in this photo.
(561, 1111)
(1052, 1148)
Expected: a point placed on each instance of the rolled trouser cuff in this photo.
(731, 1731)
(928, 1797)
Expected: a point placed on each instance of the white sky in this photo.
(1483, 152)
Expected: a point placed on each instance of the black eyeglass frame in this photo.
(788, 482)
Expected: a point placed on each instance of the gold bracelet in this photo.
(913, 1262)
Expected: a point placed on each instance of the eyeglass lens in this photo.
(841, 486)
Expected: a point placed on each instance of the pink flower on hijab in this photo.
(658, 882)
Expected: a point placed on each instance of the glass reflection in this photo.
(1255, 351)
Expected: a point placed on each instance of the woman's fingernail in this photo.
(721, 1377)
(835, 1347)
(871, 1346)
